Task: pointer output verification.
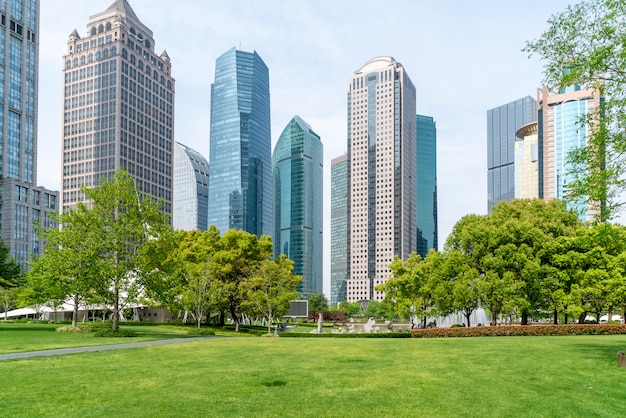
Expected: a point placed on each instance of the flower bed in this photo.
(573, 329)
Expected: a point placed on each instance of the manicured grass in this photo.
(573, 376)
(18, 337)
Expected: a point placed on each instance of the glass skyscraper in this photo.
(339, 229)
(240, 191)
(22, 202)
(382, 173)
(191, 189)
(426, 184)
(502, 124)
(298, 204)
(118, 107)
(560, 131)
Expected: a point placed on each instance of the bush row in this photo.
(347, 335)
(573, 329)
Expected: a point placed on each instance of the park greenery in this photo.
(527, 259)
(117, 251)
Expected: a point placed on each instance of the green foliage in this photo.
(74, 329)
(9, 269)
(115, 333)
(201, 331)
(317, 304)
(350, 308)
(584, 46)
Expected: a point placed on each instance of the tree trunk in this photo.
(235, 317)
(467, 318)
(524, 318)
(75, 312)
(581, 317)
(222, 318)
(116, 309)
(565, 318)
(556, 317)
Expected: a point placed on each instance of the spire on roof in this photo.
(75, 34)
(164, 56)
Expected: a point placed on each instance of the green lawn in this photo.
(289, 377)
(18, 337)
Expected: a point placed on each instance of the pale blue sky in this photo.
(463, 57)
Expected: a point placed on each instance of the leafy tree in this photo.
(349, 308)
(317, 304)
(9, 269)
(7, 299)
(584, 45)
(594, 262)
(197, 287)
(235, 263)
(462, 289)
(413, 283)
(510, 251)
(271, 288)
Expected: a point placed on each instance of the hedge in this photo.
(573, 329)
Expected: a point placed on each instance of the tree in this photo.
(349, 308)
(317, 304)
(197, 287)
(413, 283)
(510, 251)
(9, 269)
(234, 263)
(584, 45)
(271, 287)
(463, 279)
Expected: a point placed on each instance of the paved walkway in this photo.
(72, 350)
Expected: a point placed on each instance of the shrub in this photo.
(79, 328)
(573, 329)
(200, 331)
(347, 335)
(115, 333)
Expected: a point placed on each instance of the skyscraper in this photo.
(382, 173)
(22, 203)
(240, 192)
(191, 189)
(561, 130)
(339, 229)
(426, 184)
(502, 124)
(118, 107)
(298, 204)
(527, 162)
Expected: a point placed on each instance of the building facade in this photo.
(426, 185)
(240, 192)
(118, 107)
(298, 168)
(561, 129)
(191, 189)
(502, 124)
(339, 229)
(382, 173)
(527, 162)
(22, 203)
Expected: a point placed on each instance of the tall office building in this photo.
(560, 131)
(240, 192)
(382, 173)
(527, 162)
(426, 184)
(23, 204)
(339, 229)
(502, 124)
(191, 189)
(298, 204)
(118, 107)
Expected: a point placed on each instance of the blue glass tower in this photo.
(22, 203)
(339, 229)
(298, 209)
(240, 191)
(426, 184)
(502, 124)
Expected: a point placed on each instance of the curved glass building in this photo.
(298, 202)
(240, 192)
(191, 189)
